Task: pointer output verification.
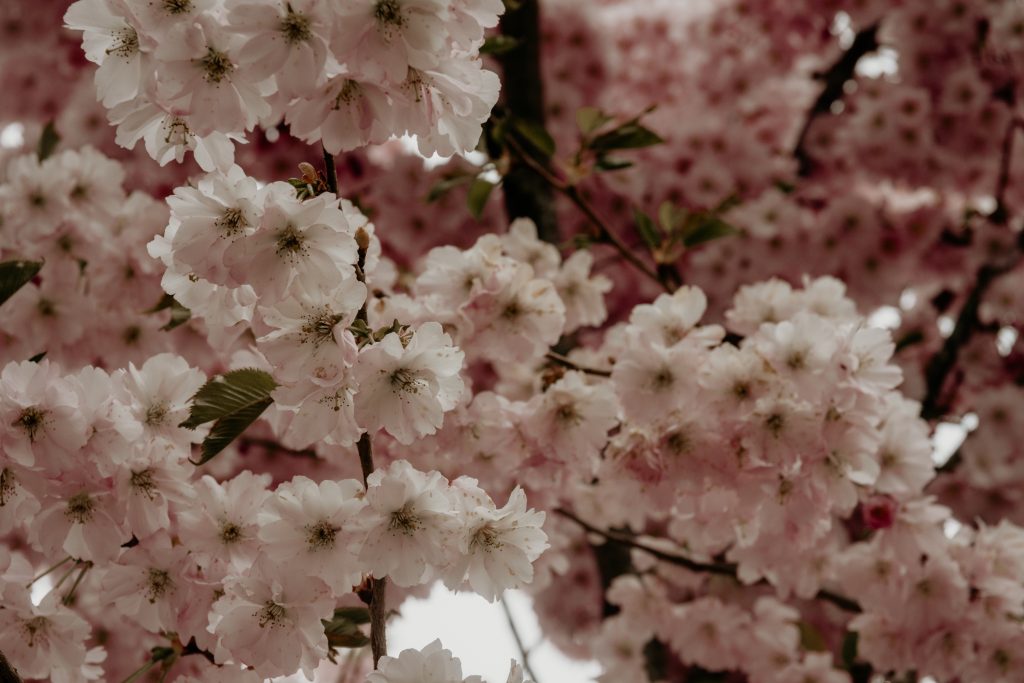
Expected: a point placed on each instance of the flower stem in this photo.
(376, 600)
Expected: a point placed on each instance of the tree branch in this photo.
(835, 78)
(943, 362)
(526, 194)
(377, 597)
(718, 568)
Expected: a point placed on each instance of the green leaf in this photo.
(48, 141)
(589, 119)
(234, 400)
(444, 185)
(479, 192)
(38, 357)
(16, 274)
(499, 45)
(343, 628)
(649, 234)
(710, 228)
(536, 135)
(228, 428)
(229, 393)
(179, 314)
(849, 652)
(811, 638)
(630, 135)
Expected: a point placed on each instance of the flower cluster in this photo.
(85, 305)
(196, 75)
(95, 474)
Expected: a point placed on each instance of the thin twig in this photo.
(523, 652)
(70, 597)
(54, 567)
(719, 568)
(572, 193)
(567, 362)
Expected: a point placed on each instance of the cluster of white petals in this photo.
(196, 75)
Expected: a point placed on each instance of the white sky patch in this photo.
(908, 299)
(1005, 340)
(886, 317)
(12, 135)
(883, 62)
(477, 632)
(946, 439)
(945, 324)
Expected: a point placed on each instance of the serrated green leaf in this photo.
(16, 274)
(48, 141)
(629, 135)
(645, 226)
(443, 186)
(710, 228)
(589, 119)
(479, 193)
(228, 428)
(499, 45)
(536, 136)
(229, 393)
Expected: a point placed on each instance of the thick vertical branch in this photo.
(526, 193)
(377, 598)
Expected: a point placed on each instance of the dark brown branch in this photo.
(377, 597)
(565, 362)
(8, 674)
(834, 79)
(1000, 214)
(933, 405)
(526, 194)
(718, 568)
(330, 172)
